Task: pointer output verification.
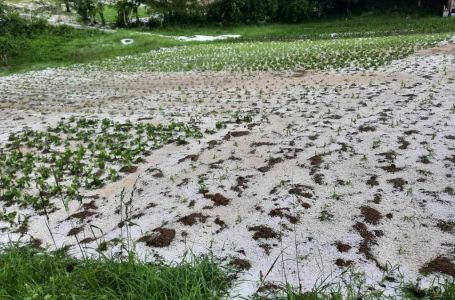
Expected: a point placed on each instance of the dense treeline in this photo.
(291, 11)
(244, 11)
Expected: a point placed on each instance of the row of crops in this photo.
(37, 166)
(367, 52)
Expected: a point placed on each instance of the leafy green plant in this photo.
(76, 154)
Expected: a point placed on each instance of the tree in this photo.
(293, 11)
(227, 11)
(260, 10)
(349, 4)
(3, 10)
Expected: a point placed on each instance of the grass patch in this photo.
(359, 26)
(27, 273)
(57, 48)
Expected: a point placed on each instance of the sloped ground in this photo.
(336, 169)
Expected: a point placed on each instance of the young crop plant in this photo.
(78, 154)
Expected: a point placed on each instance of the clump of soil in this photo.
(343, 263)
(271, 162)
(87, 240)
(446, 226)
(90, 205)
(192, 157)
(228, 136)
(302, 190)
(424, 159)
(266, 247)
(240, 264)
(240, 186)
(411, 132)
(192, 219)
(128, 169)
(377, 198)
(389, 156)
(263, 232)
(305, 205)
(75, 231)
(218, 199)
(316, 160)
(161, 237)
(403, 143)
(283, 213)
(398, 183)
(259, 144)
(449, 190)
(371, 215)
(155, 172)
(392, 168)
(451, 158)
(343, 247)
(239, 133)
(441, 265)
(369, 239)
(367, 128)
(319, 178)
(373, 181)
(220, 223)
(82, 215)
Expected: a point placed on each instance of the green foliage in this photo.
(227, 11)
(9, 46)
(125, 11)
(263, 56)
(28, 273)
(3, 9)
(292, 11)
(86, 9)
(37, 167)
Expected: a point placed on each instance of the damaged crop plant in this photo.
(36, 166)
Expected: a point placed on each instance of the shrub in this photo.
(10, 46)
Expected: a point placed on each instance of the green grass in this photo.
(31, 273)
(374, 25)
(26, 273)
(78, 46)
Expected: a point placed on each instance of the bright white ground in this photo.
(326, 138)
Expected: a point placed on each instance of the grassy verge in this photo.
(30, 273)
(70, 46)
(27, 273)
(371, 25)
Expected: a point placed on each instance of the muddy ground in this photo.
(337, 169)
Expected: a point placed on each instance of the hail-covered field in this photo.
(289, 175)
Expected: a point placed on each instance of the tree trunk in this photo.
(67, 5)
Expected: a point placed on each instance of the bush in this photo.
(9, 47)
(227, 11)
